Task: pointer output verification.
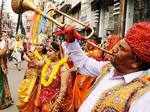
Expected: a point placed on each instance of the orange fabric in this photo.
(78, 89)
(82, 87)
(29, 106)
(68, 103)
(37, 97)
(45, 107)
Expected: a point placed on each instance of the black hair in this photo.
(55, 46)
(44, 50)
(143, 64)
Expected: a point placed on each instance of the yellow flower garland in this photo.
(54, 72)
(37, 55)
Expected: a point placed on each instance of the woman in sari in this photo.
(53, 96)
(29, 85)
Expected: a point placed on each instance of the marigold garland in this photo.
(54, 72)
(37, 55)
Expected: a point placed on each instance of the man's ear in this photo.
(135, 65)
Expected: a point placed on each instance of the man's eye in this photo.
(114, 50)
(121, 47)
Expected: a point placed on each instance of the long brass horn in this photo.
(76, 20)
(20, 6)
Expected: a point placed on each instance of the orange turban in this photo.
(138, 38)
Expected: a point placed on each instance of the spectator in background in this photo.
(17, 50)
(5, 95)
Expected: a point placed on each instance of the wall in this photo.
(129, 14)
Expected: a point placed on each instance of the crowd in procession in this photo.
(66, 76)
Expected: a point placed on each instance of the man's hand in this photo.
(70, 33)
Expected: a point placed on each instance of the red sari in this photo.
(48, 96)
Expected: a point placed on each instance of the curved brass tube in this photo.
(104, 50)
(76, 20)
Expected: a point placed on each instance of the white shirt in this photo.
(90, 66)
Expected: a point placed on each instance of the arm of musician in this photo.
(142, 104)
(82, 62)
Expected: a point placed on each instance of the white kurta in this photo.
(90, 66)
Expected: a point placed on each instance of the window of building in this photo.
(141, 10)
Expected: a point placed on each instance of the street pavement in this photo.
(14, 78)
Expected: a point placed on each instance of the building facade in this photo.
(100, 14)
(137, 10)
(115, 16)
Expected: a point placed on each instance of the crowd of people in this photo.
(65, 76)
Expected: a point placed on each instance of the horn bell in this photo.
(20, 6)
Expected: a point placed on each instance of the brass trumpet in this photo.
(20, 6)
